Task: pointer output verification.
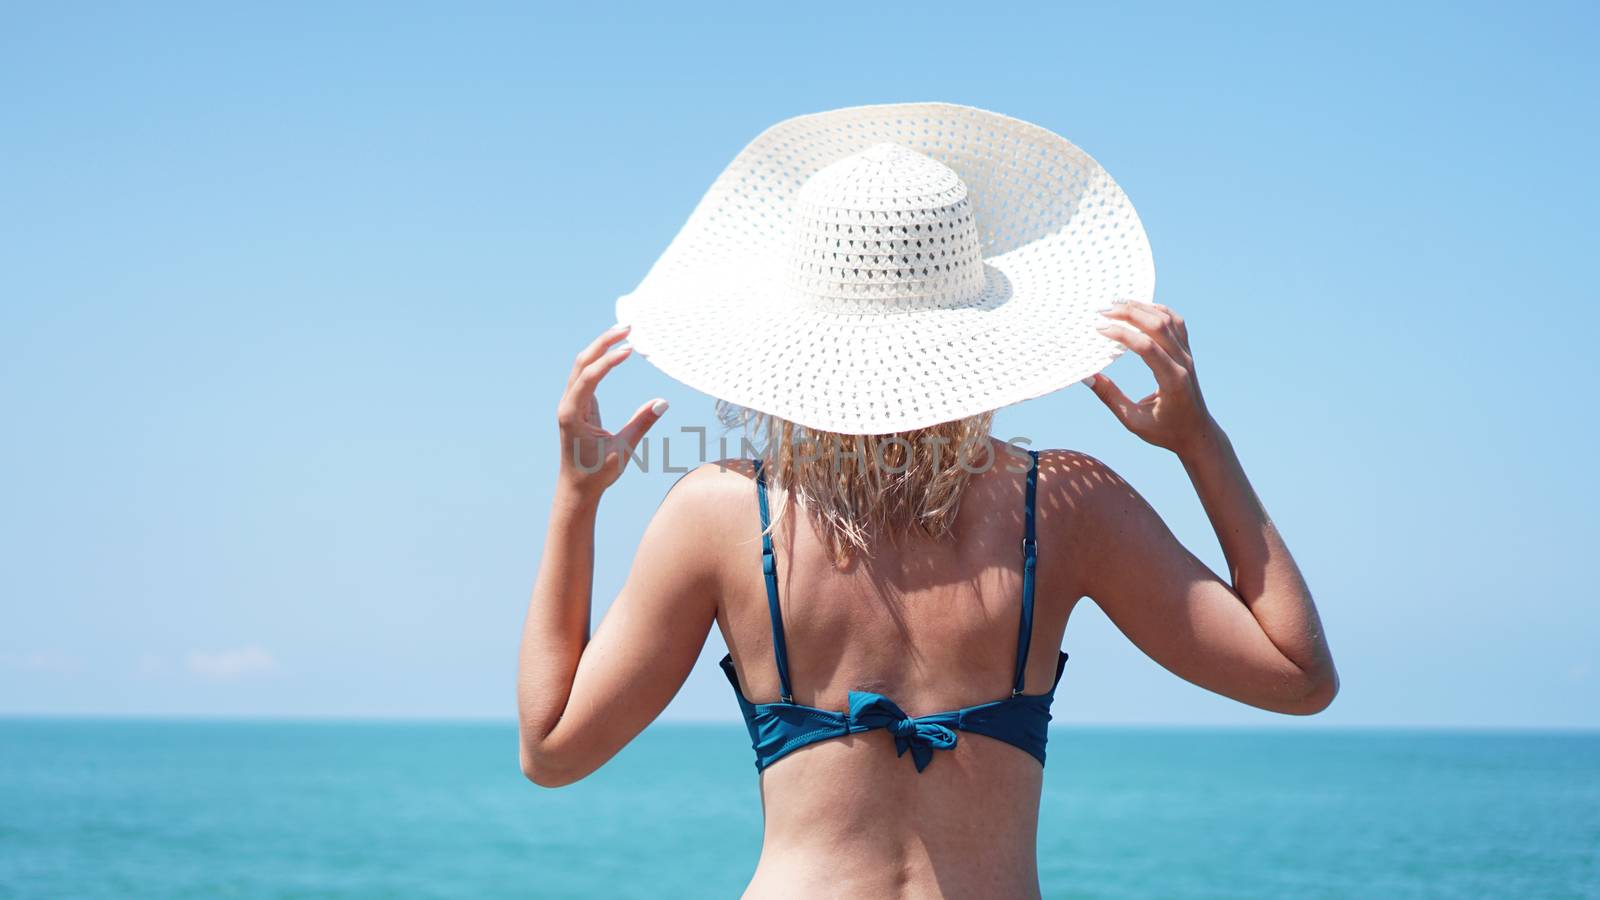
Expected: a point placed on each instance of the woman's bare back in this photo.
(932, 624)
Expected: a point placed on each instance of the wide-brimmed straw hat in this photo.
(883, 268)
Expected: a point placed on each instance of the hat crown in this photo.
(885, 229)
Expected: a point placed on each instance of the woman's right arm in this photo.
(1255, 638)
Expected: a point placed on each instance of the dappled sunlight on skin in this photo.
(929, 622)
(933, 625)
(1072, 478)
(928, 619)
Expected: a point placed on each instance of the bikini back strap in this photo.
(1030, 560)
(769, 569)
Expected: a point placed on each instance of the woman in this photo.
(886, 576)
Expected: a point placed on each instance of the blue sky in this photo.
(287, 295)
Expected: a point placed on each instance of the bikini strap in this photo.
(1030, 560)
(769, 570)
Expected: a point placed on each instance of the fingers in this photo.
(1112, 396)
(1169, 374)
(1178, 324)
(647, 415)
(1159, 322)
(589, 378)
(579, 398)
(596, 349)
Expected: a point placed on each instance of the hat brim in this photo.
(1060, 242)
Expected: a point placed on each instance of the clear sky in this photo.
(287, 296)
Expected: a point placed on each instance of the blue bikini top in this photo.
(778, 729)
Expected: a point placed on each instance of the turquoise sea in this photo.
(135, 809)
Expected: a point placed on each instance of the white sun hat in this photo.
(883, 268)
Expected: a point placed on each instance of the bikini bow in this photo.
(869, 710)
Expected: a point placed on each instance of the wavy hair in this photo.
(858, 487)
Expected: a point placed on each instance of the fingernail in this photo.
(1089, 382)
(658, 407)
(1104, 309)
(621, 326)
(1106, 327)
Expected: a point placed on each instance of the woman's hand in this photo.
(1175, 416)
(591, 457)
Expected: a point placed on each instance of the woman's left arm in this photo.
(580, 700)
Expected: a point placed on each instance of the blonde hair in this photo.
(858, 487)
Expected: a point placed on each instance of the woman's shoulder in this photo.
(708, 515)
(1087, 510)
(1085, 485)
(1073, 468)
(1060, 469)
(710, 493)
(716, 479)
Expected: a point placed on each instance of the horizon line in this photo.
(1295, 726)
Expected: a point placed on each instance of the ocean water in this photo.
(135, 809)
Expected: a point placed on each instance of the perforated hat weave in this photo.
(883, 268)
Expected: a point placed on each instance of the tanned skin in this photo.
(931, 624)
